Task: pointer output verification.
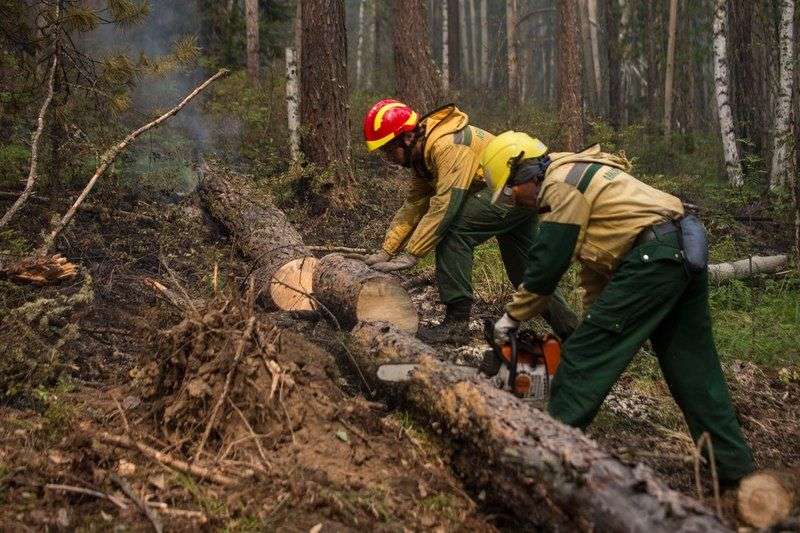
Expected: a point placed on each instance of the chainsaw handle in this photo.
(512, 365)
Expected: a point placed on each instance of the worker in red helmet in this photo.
(449, 209)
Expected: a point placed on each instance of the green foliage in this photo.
(14, 161)
(127, 13)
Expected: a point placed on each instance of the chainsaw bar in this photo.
(400, 372)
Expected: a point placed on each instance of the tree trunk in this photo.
(251, 23)
(546, 472)
(454, 44)
(484, 45)
(418, 82)
(745, 268)
(324, 117)
(353, 292)
(783, 107)
(360, 45)
(511, 51)
(613, 53)
(592, 19)
(445, 49)
(466, 68)
(733, 165)
(475, 29)
(292, 105)
(282, 266)
(570, 96)
(768, 497)
(669, 76)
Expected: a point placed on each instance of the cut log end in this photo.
(291, 286)
(381, 301)
(766, 498)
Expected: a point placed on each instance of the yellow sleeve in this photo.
(408, 216)
(455, 168)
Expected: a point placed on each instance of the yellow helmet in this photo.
(501, 153)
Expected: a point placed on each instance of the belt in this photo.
(655, 231)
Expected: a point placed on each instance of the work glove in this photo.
(380, 257)
(503, 328)
(399, 262)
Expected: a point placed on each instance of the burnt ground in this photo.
(113, 362)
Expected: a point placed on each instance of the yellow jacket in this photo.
(591, 210)
(452, 156)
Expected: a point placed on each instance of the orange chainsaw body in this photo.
(532, 351)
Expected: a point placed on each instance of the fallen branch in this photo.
(165, 293)
(87, 492)
(147, 510)
(34, 148)
(745, 268)
(166, 460)
(111, 154)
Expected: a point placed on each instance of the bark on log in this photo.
(282, 265)
(541, 469)
(352, 291)
(744, 268)
(768, 497)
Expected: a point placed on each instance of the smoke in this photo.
(168, 22)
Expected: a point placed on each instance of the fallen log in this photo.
(745, 268)
(282, 265)
(354, 292)
(543, 470)
(768, 497)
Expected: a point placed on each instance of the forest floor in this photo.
(106, 354)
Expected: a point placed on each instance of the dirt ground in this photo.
(305, 447)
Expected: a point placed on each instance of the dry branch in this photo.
(34, 147)
(111, 154)
(39, 270)
(151, 515)
(166, 460)
(745, 268)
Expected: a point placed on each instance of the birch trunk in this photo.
(293, 105)
(484, 44)
(445, 49)
(591, 6)
(360, 45)
(251, 22)
(462, 25)
(783, 107)
(668, 78)
(613, 49)
(733, 165)
(511, 45)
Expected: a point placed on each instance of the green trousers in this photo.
(651, 296)
(476, 222)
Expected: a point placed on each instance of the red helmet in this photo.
(386, 120)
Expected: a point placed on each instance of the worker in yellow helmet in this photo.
(643, 270)
(449, 209)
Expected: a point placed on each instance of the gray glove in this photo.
(399, 262)
(503, 327)
(380, 257)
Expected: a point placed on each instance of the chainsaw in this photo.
(525, 365)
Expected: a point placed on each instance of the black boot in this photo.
(453, 329)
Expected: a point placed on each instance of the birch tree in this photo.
(670, 73)
(733, 165)
(591, 8)
(511, 45)
(613, 53)
(474, 51)
(251, 28)
(783, 105)
(360, 44)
